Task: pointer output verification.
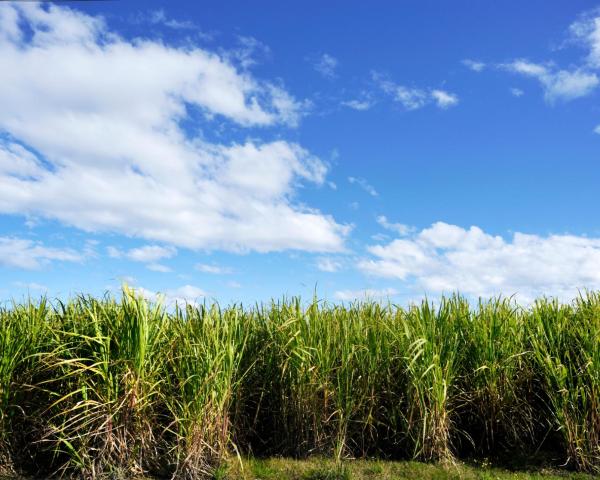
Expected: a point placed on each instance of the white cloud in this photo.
(328, 264)
(31, 286)
(380, 237)
(474, 65)
(114, 156)
(160, 17)
(586, 30)
(446, 258)
(557, 84)
(414, 98)
(213, 269)
(362, 183)
(326, 65)
(444, 99)
(248, 50)
(145, 254)
(400, 228)
(150, 253)
(516, 92)
(27, 254)
(370, 294)
(597, 129)
(410, 98)
(158, 267)
(17, 161)
(188, 292)
(576, 81)
(360, 105)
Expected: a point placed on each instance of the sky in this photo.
(235, 152)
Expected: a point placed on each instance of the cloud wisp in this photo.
(30, 255)
(326, 65)
(474, 65)
(213, 269)
(329, 264)
(363, 184)
(414, 98)
(565, 84)
(361, 104)
(148, 254)
(399, 228)
(558, 85)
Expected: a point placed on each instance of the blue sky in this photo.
(239, 153)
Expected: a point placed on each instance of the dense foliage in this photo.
(109, 386)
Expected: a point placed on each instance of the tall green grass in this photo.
(498, 396)
(23, 332)
(101, 382)
(202, 371)
(115, 387)
(566, 344)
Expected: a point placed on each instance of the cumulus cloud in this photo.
(446, 258)
(516, 92)
(326, 65)
(414, 98)
(370, 294)
(27, 254)
(99, 144)
(557, 84)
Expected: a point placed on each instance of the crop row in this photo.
(122, 386)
